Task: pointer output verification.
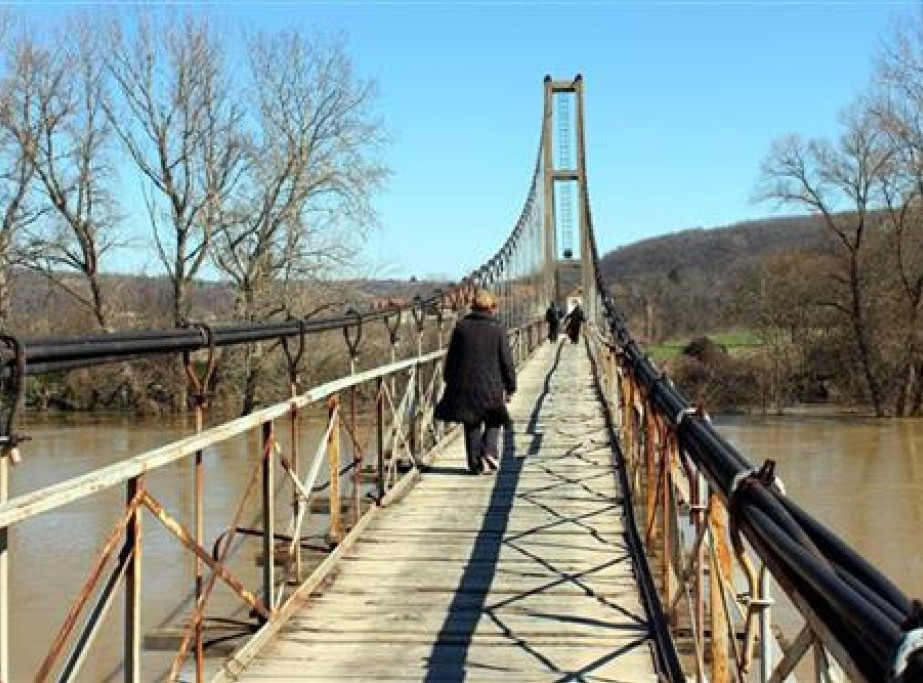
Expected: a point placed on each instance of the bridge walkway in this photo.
(520, 576)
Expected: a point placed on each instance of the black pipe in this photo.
(56, 354)
(841, 554)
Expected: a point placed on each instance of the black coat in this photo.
(478, 369)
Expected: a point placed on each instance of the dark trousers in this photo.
(553, 332)
(480, 440)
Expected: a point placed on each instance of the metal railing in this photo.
(721, 532)
(358, 470)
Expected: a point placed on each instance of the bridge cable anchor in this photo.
(353, 340)
(393, 323)
(199, 382)
(293, 358)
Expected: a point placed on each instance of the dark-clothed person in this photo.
(553, 320)
(572, 323)
(480, 377)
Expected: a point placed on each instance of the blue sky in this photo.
(682, 102)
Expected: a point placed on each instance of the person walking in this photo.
(573, 322)
(553, 320)
(480, 378)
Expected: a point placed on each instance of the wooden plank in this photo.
(519, 576)
(553, 662)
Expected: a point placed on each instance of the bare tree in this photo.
(16, 170)
(65, 137)
(898, 111)
(179, 125)
(311, 172)
(841, 184)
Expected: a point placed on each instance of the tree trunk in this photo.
(861, 332)
(179, 301)
(916, 401)
(5, 274)
(99, 307)
(252, 366)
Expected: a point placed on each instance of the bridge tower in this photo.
(564, 171)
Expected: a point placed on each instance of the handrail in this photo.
(42, 500)
(392, 448)
(850, 606)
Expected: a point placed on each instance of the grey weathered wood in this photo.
(520, 576)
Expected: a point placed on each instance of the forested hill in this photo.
(714, 250)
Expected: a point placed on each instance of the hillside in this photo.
(715, 250)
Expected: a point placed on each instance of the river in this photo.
(860, 476)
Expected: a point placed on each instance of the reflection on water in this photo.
(862, 477)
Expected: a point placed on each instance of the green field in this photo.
(732, 340)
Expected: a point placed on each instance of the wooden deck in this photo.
(520, 576)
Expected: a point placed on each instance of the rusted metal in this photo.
(268, 515)
(719, 564)
(183, 535)
(199, 383)
(223, 552)
(133, 543)
(86, 591)
(380, 439)
(353, 339)
(293, 362)
(668, 453)
(333, 461)
(296, 494)
(4, 579)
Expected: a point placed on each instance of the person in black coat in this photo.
(553, 320)
(572, 323)
(480, 378)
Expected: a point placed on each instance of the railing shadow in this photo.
(450, 651)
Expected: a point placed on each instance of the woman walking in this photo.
(480, 378)
(573, 322)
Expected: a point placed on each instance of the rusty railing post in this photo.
(269, 535)
(720, 560)
(699, 523)
(652, 446)
(668, 453)
(333, 460)
(4, 576)
(415, 446)
(380, 438)
(293, 358)
(357, 459)
(297, 502)
(132, 642)
(12, 387)
(199, 382)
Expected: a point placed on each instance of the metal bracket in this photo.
(393, 323)
(293, 359)
(353, 341)
(419, 315)
(911, 642)
(437, 305)
(200, 383)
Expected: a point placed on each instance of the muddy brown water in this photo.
(861, 477)
(51, 554)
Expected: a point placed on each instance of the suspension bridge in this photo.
(622, 539)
